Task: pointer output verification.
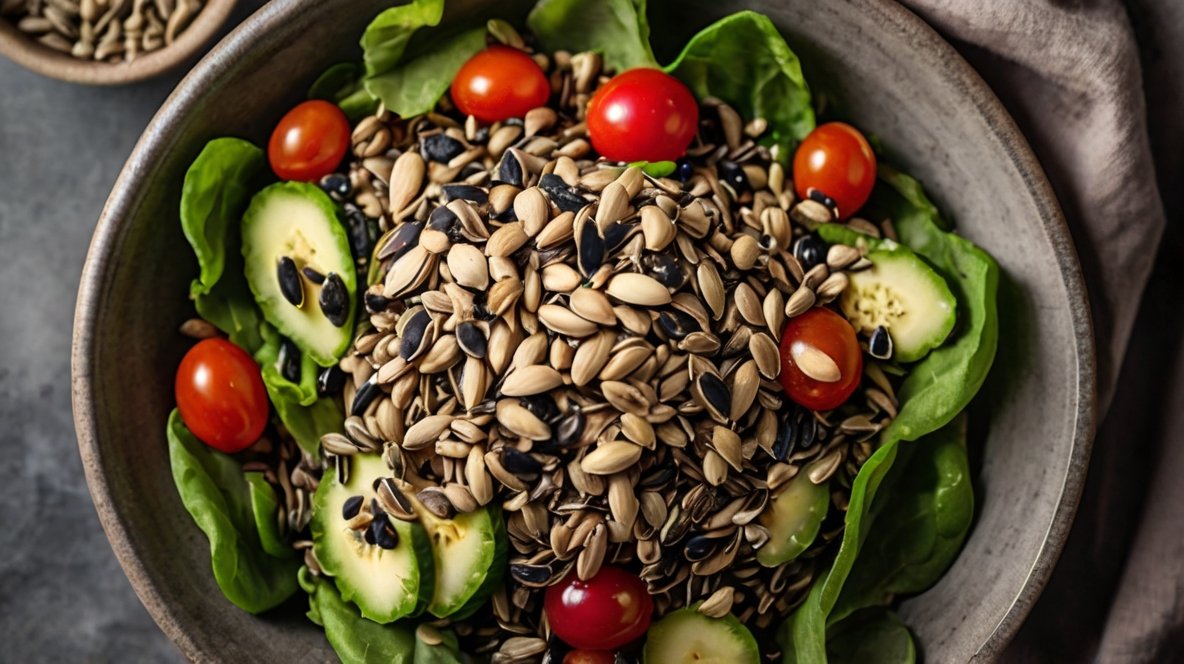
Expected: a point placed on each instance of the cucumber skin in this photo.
(497, 569)
(730, 622)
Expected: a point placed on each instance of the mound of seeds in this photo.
(595, 350)
(103, 30)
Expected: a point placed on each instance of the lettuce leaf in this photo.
(617, 29)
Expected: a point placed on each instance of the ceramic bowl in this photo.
(888, 72)
(32, 54)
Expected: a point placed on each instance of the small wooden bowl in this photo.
(27, 52)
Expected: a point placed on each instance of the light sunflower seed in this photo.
(719, 604)
(506, 240)
(711, 287)
(468, 267)
(426, 431)
(657, 228)
(799, 302)
(592, 557)
(521, 421)
(744, 252)
(591, 356)
(611, 457)
(564, 321)
(815, 363)
(638, 289)
(592, 305)
(765, 353)
(406, 181)
(745, 382)
(715, 468)
(526, 381)
(622, 501)
(727, 444)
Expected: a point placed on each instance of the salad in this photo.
(516, 346)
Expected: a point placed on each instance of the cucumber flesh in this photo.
(689, 637)
(793, 518)
(297, 220)
(903, 294)
(386, 584)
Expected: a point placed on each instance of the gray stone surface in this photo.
(63, 597)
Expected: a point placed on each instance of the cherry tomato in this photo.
(836, 160)
(220, 395)
(820, 330)
(606, 611)
(498, 83)
(309, 141)
(642, 114)
(590, 657)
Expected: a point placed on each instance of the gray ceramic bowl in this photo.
(890, 73)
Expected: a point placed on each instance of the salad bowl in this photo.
(886, 71)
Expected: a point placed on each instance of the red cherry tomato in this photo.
(220, 395)
(309, 141)
(606, 611)
(642, 114)
(498, 83)
(825, 331)
(590, 657)
(836, 160)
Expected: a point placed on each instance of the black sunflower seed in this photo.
(658, 476)
(510, 169)
(591, 248)
(783, 441)
(351, 507)
(677, 324)
(520, 463)
(807, 430)
(312, 275)
(405, 236)
(337, 186)
(330, 380)
(731, 173)
(289, 360)
(445, 220)
(531, 576)
(480, 309)
(817, 196)
(616, 235)
(368, 536)
(715, 391)
(471, 340)
(879, 345)
(334, 300)
(365, 396)
(666, 269)
(570, 428)
(414, 336)
(375, 302)
(541, 406)
(563, 196)
(289, 279)
(810, 250)
(466, 192)
(698, 547)
(442, 148)
(481, 136)
(383, 532)
(362, 231)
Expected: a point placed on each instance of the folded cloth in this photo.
(1072, 72)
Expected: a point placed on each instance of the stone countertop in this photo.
(63, 596)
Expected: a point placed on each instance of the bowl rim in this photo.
(160, 134)
(37, 57)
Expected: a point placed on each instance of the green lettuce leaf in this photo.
(743, 60)
(216, 494)
(409, 78)
(617, 29)
(935, 391)
(304, 415)
(875, 636)
(920, 524)
(343, 85)
(216, 191)
(265, 507)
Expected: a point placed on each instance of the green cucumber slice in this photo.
(793, 518)
(689, 637)
(902, 293)
(299, 221)
(386, 584)
(469, 551)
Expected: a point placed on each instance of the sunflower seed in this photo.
(719, 604)
(815, 363)
(564, 321)
(609, 458)
(639, 289)
(525, 381)
(592, 305)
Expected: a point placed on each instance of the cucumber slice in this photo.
(902, 293)
(689, 637)
(386, 584)
(470, 558)
(793, 518)
(297, 220)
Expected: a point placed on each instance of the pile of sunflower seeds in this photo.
(102, 30)
(595, 350)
